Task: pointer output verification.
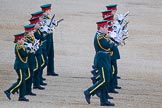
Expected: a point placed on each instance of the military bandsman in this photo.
(41, 58)
(102, 62)
(116, 54)
(29, 43)
(50, 44)
(21, 68)
(35, 15)
(34, 49)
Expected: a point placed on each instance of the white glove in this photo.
(36, 44)
(29, 45)
(116, 37)
(116, 26)
(120, 17)
(113, 35)
(36, 41)
(55, 23)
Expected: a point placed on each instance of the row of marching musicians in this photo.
(33, 52)
(111, 32)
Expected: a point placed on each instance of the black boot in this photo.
(7, 93)
(113, 91)
(43, 79)
(31, 94)
(53, 74)
(93, 80)
(43, 84)
(23, 99)
(107, 104)
(87, 97)
(38, 87)
(117, 87)
(110, 97)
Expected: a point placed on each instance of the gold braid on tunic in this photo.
(18, 47)
(29, 38)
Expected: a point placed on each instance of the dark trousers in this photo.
(102, 63)
(20, 83)
(50, 64)
(38, 72)
(50, 54)
(31, 63)
(45, 58)
(43, 65)
(104, 94)
(113, 81)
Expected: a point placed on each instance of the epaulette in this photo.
(19, 46)
(101, 35)
(29, 38)
(39, 32)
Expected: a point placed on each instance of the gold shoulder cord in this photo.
(48, 16)
(39, 32)
(33, 38)
(30, 38)
(98, 38)
(24, 61)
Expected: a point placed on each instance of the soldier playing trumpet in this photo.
(21, 68)
(30, 45)
(50, 44)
